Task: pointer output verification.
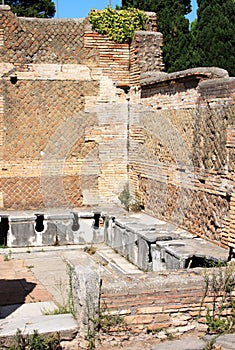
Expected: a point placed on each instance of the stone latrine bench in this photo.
(155, 245)
(149, 243)
(49, 228)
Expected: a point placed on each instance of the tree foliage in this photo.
(211, 40)
(32, 8)
(215, 34)
(172, 23)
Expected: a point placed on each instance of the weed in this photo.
(35, 341)
(103, 322)
(70, 273)
(130, 203)
(30, 267)
(220, 285)
(125, 196)
(90, 250)
(169, 335)
(8, 256)
(59, 310)
(91, 339)
(67, 306)
(210, 344)
(118, 25)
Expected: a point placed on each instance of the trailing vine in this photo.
(118, 25)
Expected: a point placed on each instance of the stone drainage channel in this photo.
(148, 243)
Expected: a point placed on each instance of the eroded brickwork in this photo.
(110, 55)
(157, 304)
(145, 54)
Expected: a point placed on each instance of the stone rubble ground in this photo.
(26, 292)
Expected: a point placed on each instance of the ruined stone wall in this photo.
(59, 144)
(145, 54)
(69, 132)
(182, 151)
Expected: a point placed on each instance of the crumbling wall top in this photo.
(5, 8)
(199, 73)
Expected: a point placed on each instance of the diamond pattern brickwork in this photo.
(26, 192)
(35, 109)
(182, 157)
(41, 40)
(41, 114)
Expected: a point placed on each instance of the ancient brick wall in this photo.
(45, 89)
(28, 40)
(181, 151)
(63, 119)
(157, 304)
(113, 58)
(145, 54)
(44, 84)
(59, 145)
(34, 112)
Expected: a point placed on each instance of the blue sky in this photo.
(78, 9)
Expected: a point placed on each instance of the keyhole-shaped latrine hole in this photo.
(4, 228)
(39, 227)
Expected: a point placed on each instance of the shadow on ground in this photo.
(14, 293)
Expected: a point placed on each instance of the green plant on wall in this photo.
(125, 196)
(102, 323)
(130, 203)
(118, 25)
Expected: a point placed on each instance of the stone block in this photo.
(139, 319)
(21, 231)
(160, 318)
(143, 254)
(117, 243)
(58, 228)
(149, 310)
(131, 251)
(86, 293)
(108, 230)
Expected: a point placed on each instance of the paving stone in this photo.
(28, 317)
(185, 344)
(227, 342)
